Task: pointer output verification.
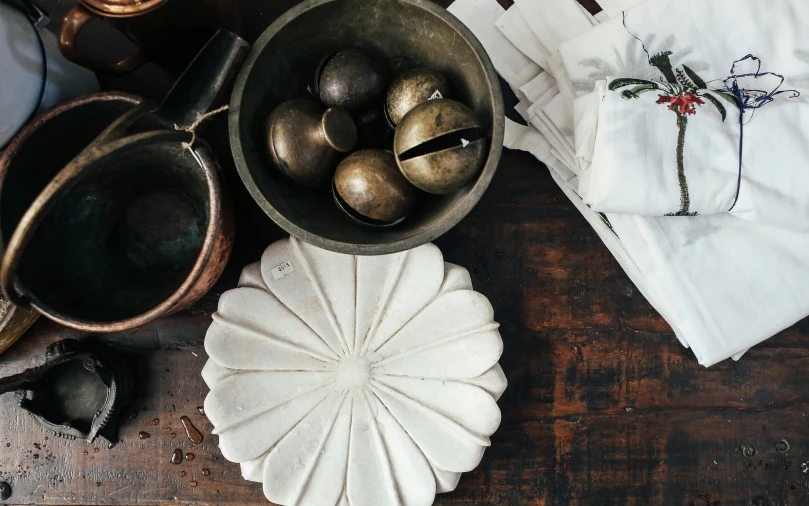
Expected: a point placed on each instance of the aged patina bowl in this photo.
(280, 67)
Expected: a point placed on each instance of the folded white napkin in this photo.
(686, 147)
(724, 284)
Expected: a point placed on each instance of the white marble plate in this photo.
(339, 380)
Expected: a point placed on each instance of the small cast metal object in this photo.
(369, 188)
(79, 392)
(411, 88)
(353, 80)
(303, 140)
(440, 146)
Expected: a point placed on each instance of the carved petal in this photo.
(213, 373)
(444, 442)
(389, 467)
(455, 278)
(468, 405)
(493, 381)
(454, 337)
(252, 330)
(393, 289)
(308, 466)
(300, 289)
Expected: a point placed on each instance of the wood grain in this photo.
(604, 407)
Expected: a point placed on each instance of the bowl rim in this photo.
(452, 216)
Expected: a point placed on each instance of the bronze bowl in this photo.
(280, 66)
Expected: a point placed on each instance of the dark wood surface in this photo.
(603, 406)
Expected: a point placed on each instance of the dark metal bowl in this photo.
(280, 67)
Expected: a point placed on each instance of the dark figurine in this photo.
(370, 189)
(79, 392)
(304, 140)
(440, 146)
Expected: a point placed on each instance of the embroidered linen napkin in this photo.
(678, 145)
(724, 284)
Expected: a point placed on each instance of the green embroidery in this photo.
(682, 91)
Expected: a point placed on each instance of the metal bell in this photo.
(353, 80)
(369, 188)
(412, 87)
(304, 139)
(440, 146)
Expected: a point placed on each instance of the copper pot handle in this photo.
(104, 146)
(75, 19)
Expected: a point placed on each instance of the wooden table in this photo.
(603, 406)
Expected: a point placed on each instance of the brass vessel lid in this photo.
(122, 8)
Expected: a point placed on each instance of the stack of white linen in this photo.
(637, 143)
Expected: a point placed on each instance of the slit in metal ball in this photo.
(369, 188)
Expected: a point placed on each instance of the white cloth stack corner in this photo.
(723, 283)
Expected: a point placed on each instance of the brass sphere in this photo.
(412, 87)
(351, 79)
(369, 184)
(440, 146)
(303, 140)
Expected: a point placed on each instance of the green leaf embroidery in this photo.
(727, 96)
(627, 81)
(694, 77)
(715, 101)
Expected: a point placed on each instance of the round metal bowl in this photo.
(281, 66)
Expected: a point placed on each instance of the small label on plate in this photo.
(279, 271)
(435, 95)
(464, 142)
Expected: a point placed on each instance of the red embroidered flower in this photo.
(684, 104)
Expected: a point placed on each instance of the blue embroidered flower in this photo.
(752, 87)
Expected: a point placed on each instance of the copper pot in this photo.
(167, 32)
(113, 224)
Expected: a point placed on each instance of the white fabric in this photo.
(479, 15)
(614, 8)
(634, 162)
(554, 21)
(512, 24)
(723, 283)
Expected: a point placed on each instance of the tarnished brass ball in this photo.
(304, 139)
(411, 88)
(352, 79)
(370, 189)
(440, 146)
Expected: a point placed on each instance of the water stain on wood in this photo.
(177, 456)
(189, 456)
(144, 435)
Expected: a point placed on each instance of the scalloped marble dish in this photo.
(339, 380)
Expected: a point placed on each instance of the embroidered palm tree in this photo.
(682, 90)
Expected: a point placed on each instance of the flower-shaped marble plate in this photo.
(339, 380)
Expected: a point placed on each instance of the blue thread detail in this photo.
(750, 99)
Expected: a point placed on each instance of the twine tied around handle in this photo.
(192, 129)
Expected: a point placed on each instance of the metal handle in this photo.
(102, 149)
(75, 19)
(205, 79)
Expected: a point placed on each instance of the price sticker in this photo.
(435, 95)
(279, 271)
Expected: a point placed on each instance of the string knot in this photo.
(193, 127)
